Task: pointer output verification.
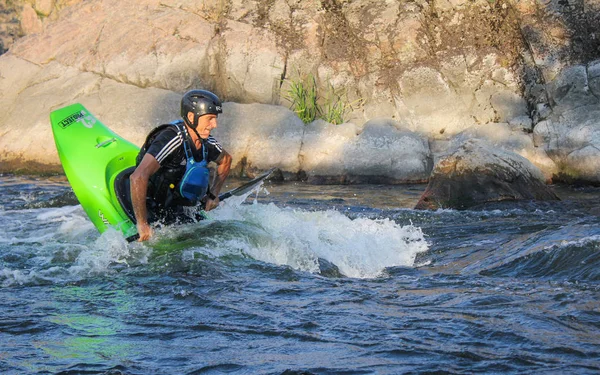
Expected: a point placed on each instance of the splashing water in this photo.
(360, 248)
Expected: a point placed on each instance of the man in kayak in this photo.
(172, 170)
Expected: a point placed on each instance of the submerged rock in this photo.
(480, 173)
(328, 269)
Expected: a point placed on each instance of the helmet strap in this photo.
(188, 123)
(195, 131)
(194, 125)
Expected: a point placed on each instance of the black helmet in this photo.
(200, 103)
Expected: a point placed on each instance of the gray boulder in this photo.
(503, 136)
(479, 173)
(261, 136)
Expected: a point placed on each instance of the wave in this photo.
(577, 260)
(57, 245)
(22, 192)
(303, 240)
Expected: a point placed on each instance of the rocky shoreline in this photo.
(433, 76)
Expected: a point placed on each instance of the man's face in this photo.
(206, 123)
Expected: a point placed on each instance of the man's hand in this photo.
(211, 204)
(223, 166)
(139, 187)
(145, 231)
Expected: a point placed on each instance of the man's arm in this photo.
(139, 187)
(223, 166)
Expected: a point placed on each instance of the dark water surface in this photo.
(304, 279)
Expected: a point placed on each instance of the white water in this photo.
(61, 244)
(360, 248)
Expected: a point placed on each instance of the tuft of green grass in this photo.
(304, 97)
(309, 105)
(336, 106)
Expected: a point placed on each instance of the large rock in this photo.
(323, 152)
(261, 136)
(173, 45)
(570, 134)
(468, 90)
(27, 142)
(503, 136)
(479, 173)
(381, 152)
(402, 60)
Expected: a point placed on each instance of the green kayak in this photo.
(93, 158)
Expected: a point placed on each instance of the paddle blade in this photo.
(248, 186)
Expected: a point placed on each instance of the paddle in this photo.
(248, 186)
(239, 191)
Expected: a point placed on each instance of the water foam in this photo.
(359, 247)
(67, 246)
(105, 252)
(54, 245)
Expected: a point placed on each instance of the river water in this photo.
(302, 279)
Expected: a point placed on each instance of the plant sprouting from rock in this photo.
(309, 105)
(303, 96)
(336, 105)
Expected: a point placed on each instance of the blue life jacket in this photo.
(195, 181)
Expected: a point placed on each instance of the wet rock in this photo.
(328, 269)
(479, 173)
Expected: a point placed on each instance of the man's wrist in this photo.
(211, 196)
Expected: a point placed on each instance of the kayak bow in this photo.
(92, 157)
